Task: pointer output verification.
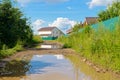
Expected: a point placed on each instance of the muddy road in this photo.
(51, 63)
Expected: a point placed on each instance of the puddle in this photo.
(51, 67)
(42, 64)
(50, 46)
(14, 68)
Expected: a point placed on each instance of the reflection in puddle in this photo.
(15, 68)
(53, 64)
(59, 56)
(48, 63)
(51, 67)
(47, 46)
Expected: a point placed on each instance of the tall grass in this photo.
(101, 46)
(5, 51)
(37, 39)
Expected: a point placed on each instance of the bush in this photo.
(66, 45)
(5, 51)
(37, 39)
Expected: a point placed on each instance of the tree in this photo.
(13, 25)
(77, 27)
(112, 11)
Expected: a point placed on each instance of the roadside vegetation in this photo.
(110, 12)
(15, 29)
(35, 42)
(36, 39)
(101, 46)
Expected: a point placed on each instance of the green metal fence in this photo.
(49, 38)
(108, 24)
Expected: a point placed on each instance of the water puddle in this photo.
(51, 67)
(50, 46)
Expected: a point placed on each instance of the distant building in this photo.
(50, 33)
(69, 31)
(90, 21)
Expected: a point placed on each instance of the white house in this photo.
(50, 33)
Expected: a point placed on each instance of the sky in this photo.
(63, 14)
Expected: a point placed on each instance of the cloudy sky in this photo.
(60, 13)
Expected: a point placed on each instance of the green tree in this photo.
(77, 27)
(112, 11)
(13, 25)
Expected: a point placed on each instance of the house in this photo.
(69, 31)
(90, 21)
(50, 33)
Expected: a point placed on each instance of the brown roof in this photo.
(91, 20)
(46, 29)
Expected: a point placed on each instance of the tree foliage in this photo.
(112, 11)
(77, 27)
(13, 25)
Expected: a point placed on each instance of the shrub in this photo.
(66, 45)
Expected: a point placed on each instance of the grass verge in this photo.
(6, 52)
(101, 46)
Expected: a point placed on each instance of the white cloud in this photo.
(93, 3)
(38, 22)
(63, 23)
(37, 25)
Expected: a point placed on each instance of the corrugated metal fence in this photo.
(108, 24)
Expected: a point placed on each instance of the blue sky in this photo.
(60, 13)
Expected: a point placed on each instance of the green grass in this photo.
(37, 39)
(6, 52)
(34, 42)
(102, 47)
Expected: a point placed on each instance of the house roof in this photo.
(91, 20)
(69, 31)
(46, 29)
(49, 29)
